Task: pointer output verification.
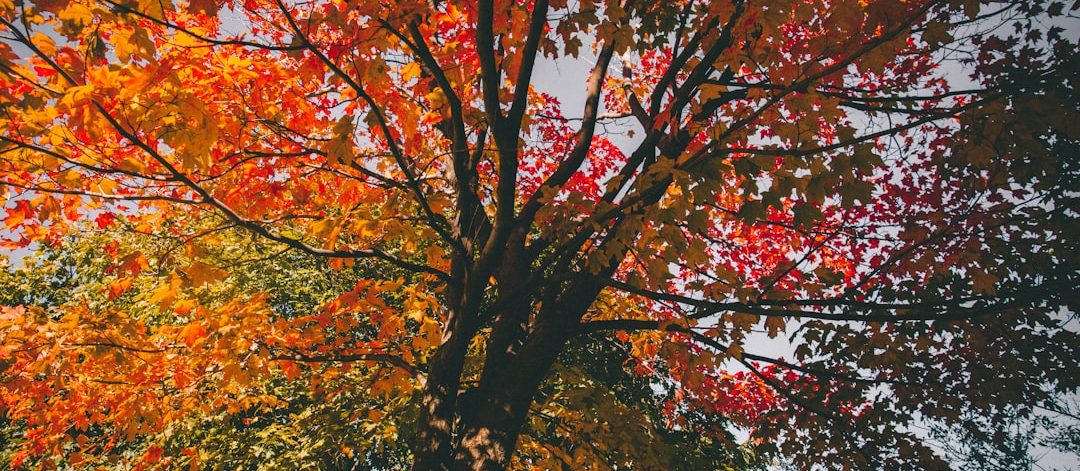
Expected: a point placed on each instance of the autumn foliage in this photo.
(387, 234)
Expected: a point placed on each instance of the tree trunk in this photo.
(494, 414)
(479, 430)
(438, 405)
(433, 443)
(489, 435)
(488, 419)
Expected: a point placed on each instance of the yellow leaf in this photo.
(75, 97)
(164, 295)
(106, 186)
(76, 14)
(155, 8)
(321, 228)
(410, 71)
(332, 237)
(197, 153)
(131, 164)
(340, 149)
(131, 42)
(68, 178)
(195, 140)
(436, 98)
(45, 43)
(194, 156)
(199, 273)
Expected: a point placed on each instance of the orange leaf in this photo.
(192, 333)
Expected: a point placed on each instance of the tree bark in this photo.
(496, 411)
(479, 432)
(438, 406)
(488, 433)
(438, 402)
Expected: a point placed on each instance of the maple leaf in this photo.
(191, 334)
(201, 273)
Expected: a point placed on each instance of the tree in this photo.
(809, 168)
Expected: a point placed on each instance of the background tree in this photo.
(888, 183)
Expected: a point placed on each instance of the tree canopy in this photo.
(367, 234)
